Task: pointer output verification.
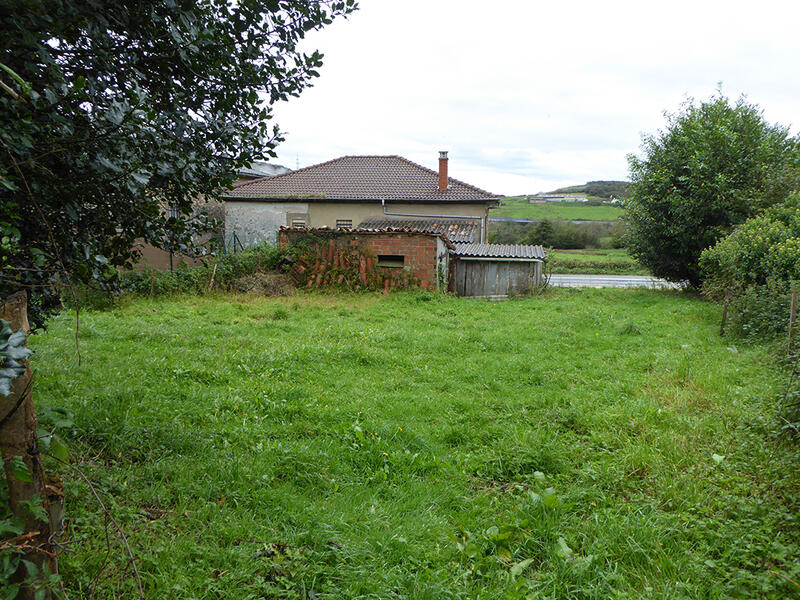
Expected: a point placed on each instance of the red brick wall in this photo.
(419, 250)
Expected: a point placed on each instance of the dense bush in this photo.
(763, 248)
(757, 266)
(715, 166)
(761, 311)
(195, 280)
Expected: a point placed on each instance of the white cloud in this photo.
(526, 95)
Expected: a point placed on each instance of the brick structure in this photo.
(391, 257)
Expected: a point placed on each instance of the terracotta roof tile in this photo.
(360, 178)
(456, 230)
(356, 232)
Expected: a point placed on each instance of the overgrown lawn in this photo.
(613, 260)
(582, 444)
(523, 209)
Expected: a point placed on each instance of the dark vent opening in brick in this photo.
(394, 261)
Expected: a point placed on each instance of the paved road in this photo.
(611, 281)
(575, 221)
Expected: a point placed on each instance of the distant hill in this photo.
(599, 189)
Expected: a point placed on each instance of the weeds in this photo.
(426, 447)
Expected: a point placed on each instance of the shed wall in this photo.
(495, 277)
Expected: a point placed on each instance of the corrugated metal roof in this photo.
(456, 230)
(500, 251)
(360, 178)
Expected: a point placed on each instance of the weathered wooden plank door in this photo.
(495, 278)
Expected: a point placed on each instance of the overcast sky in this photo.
(527, 96)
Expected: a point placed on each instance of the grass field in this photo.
(580, 444)
(614, 261)
(522, 209)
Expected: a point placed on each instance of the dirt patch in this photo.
(265, 284)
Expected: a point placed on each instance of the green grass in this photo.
(613, 261)
(522, 209)
(416, 446)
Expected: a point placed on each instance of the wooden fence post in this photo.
(724, 312)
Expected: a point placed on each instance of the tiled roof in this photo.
(324, 231)
(360, 178)
(500, 251)
(456, 230)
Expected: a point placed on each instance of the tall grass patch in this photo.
(578, 444)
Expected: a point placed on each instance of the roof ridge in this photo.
(336, 176)
(424, 168)
(290, 172)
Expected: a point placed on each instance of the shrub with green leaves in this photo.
(763, 248)
(758, 266)
(194, 280)
(761, 311)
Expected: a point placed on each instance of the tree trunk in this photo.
(19, 437)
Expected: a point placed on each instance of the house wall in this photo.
(255, 222)
(325, 214)
(157, 258)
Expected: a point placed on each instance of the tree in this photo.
(714, 166)
(118, 116)
(542, 234)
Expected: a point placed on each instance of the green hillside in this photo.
(599, 189)
(520, 208)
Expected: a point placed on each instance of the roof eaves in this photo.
(355, 231)
(325, 198)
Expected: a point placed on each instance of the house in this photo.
(165, 260)
(383, 222)
(347, 192)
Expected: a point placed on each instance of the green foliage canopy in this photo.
(764, 248)
(715, 165)
(113, 111)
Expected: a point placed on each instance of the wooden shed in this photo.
(495, 269)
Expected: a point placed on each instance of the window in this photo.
(393, 261)
(297, 219)
(344, 223)
(172, 211)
